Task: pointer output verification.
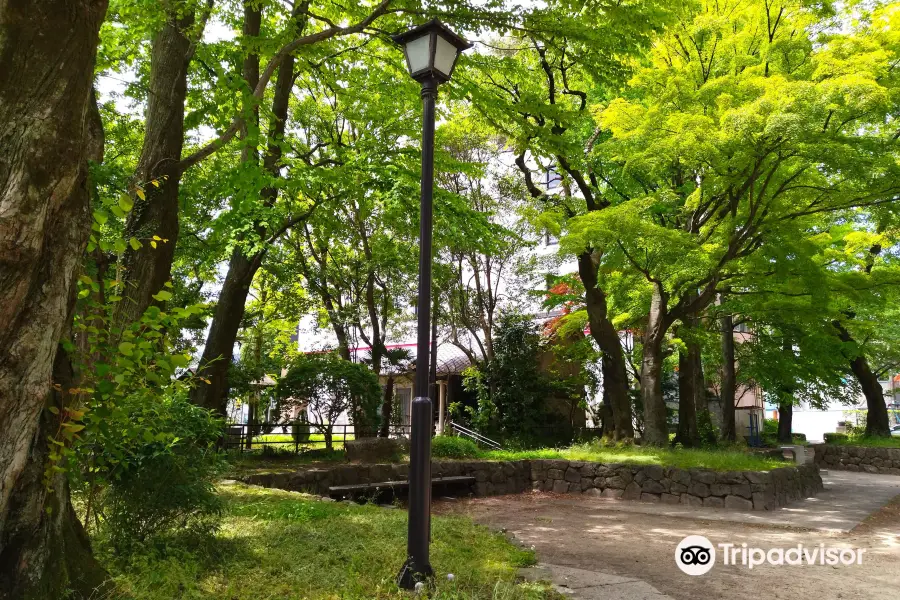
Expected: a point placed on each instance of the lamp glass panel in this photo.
(417, 53)
(444, 56)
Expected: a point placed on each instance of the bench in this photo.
(797, 454)
(393, 485)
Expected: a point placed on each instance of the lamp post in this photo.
(431, 53)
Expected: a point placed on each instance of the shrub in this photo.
(511, 389)
(836, 438)
(448, 446)
(157, 476)
(140, 455)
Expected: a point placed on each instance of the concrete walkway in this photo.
(847, 500)
(594, 548)
(585, 584)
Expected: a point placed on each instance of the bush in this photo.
(448, 446)
(512, 391)
(157, 476)
(836, 438)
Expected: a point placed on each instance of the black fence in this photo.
(299, 438)
(291, 437)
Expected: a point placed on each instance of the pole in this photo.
(418, 566)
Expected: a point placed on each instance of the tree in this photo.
(174, 45)
(738, 133)
(326, 386)
(536, 89)
(49, 129)
(476, 270)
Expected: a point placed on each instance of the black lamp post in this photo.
(431, 53)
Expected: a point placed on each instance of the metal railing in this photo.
(476, 437)
(290, 437)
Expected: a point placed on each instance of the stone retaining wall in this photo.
(756, 490)
(858, 458)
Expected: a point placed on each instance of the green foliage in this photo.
(707, 431)
(142, 458)
(156, 486)
(512, 392)
(324, 385)
(447, 446)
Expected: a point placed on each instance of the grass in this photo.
(283, 438)
(718, 459)
(283, 545)
(860, 440)
(445, 447)
(247, 463)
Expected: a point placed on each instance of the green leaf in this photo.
(162, 296)
(125, 202)
(126, 348)
(135, 244)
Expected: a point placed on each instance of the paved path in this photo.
(586, 584)
(847, 500)
(620, 550)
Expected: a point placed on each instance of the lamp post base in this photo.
(412, 574)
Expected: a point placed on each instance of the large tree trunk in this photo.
(785, 420)
(148, 269)
(656, 430)
(688, 387)
(877, 423)
(729, 380)
(615, 378)
(47, 128)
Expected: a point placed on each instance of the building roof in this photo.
(450, 359)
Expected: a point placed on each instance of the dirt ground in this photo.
(572, 531)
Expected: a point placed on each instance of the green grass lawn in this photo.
(279, 545)
(285, 438)
(719, 460)
(868, 442)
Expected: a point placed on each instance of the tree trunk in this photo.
(217, 353)
(687, 434)
(387, 407)
(329, 443)
(729, 380)
(251, 418)
(785, 420)
(49, 127)
(615, 378)
(656, 430)
(877, 422)
(147, 269)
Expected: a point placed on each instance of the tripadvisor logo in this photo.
(696, 555)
